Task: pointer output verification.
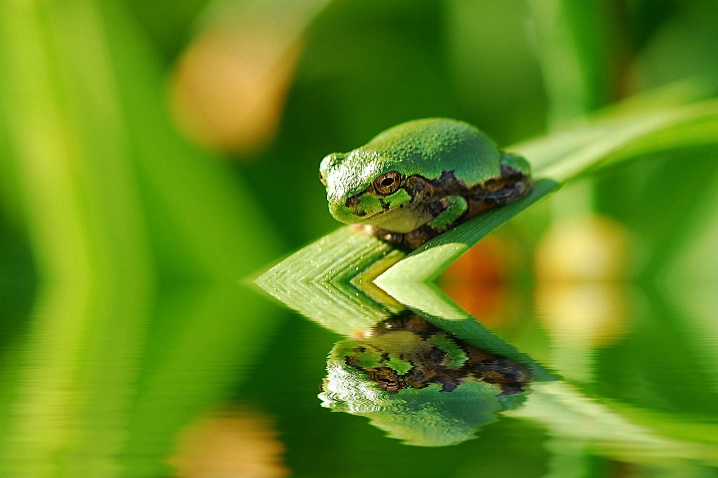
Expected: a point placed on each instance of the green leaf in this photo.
(325, 281)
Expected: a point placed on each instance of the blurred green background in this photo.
(153, 154)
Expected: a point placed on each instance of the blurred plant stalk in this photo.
(80, 200)
(69, 149)
(583, 52)
(114, 203)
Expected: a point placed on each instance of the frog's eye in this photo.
(387, 183)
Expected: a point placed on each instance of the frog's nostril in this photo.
(352, 201)
(353, 205)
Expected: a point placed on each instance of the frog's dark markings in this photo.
(511, 186)
(434, 365)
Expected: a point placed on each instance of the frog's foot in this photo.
(453, 207)
(406, 241)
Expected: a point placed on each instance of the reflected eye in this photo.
(387, 183)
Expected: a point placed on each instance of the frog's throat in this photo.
(400, 219)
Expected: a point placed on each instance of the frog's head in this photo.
(370, 187)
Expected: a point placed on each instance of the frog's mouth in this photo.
(401, 218)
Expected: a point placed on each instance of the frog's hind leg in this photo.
(483, 201)
(506, 195)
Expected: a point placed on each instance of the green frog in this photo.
(421, 178)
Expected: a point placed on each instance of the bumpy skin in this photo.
(420, 178)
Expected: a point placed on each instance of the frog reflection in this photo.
(421, 384)
(409, 352)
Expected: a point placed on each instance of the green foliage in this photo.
(113, 203)
(109, 209)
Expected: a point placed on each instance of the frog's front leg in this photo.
(453, 207)
(447, 213)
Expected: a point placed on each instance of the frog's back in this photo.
(429, 147)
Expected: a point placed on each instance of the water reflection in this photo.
(427, 373)
(102, 385)
(421, 384)
(230, 442)
(419, 367)
(212, 379)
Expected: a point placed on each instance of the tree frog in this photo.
(421, 178)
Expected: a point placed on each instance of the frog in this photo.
(421, 178)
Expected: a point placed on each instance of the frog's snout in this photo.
(352, 204)
(355, 208)
(342, 213)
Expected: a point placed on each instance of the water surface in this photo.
(195, 380)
